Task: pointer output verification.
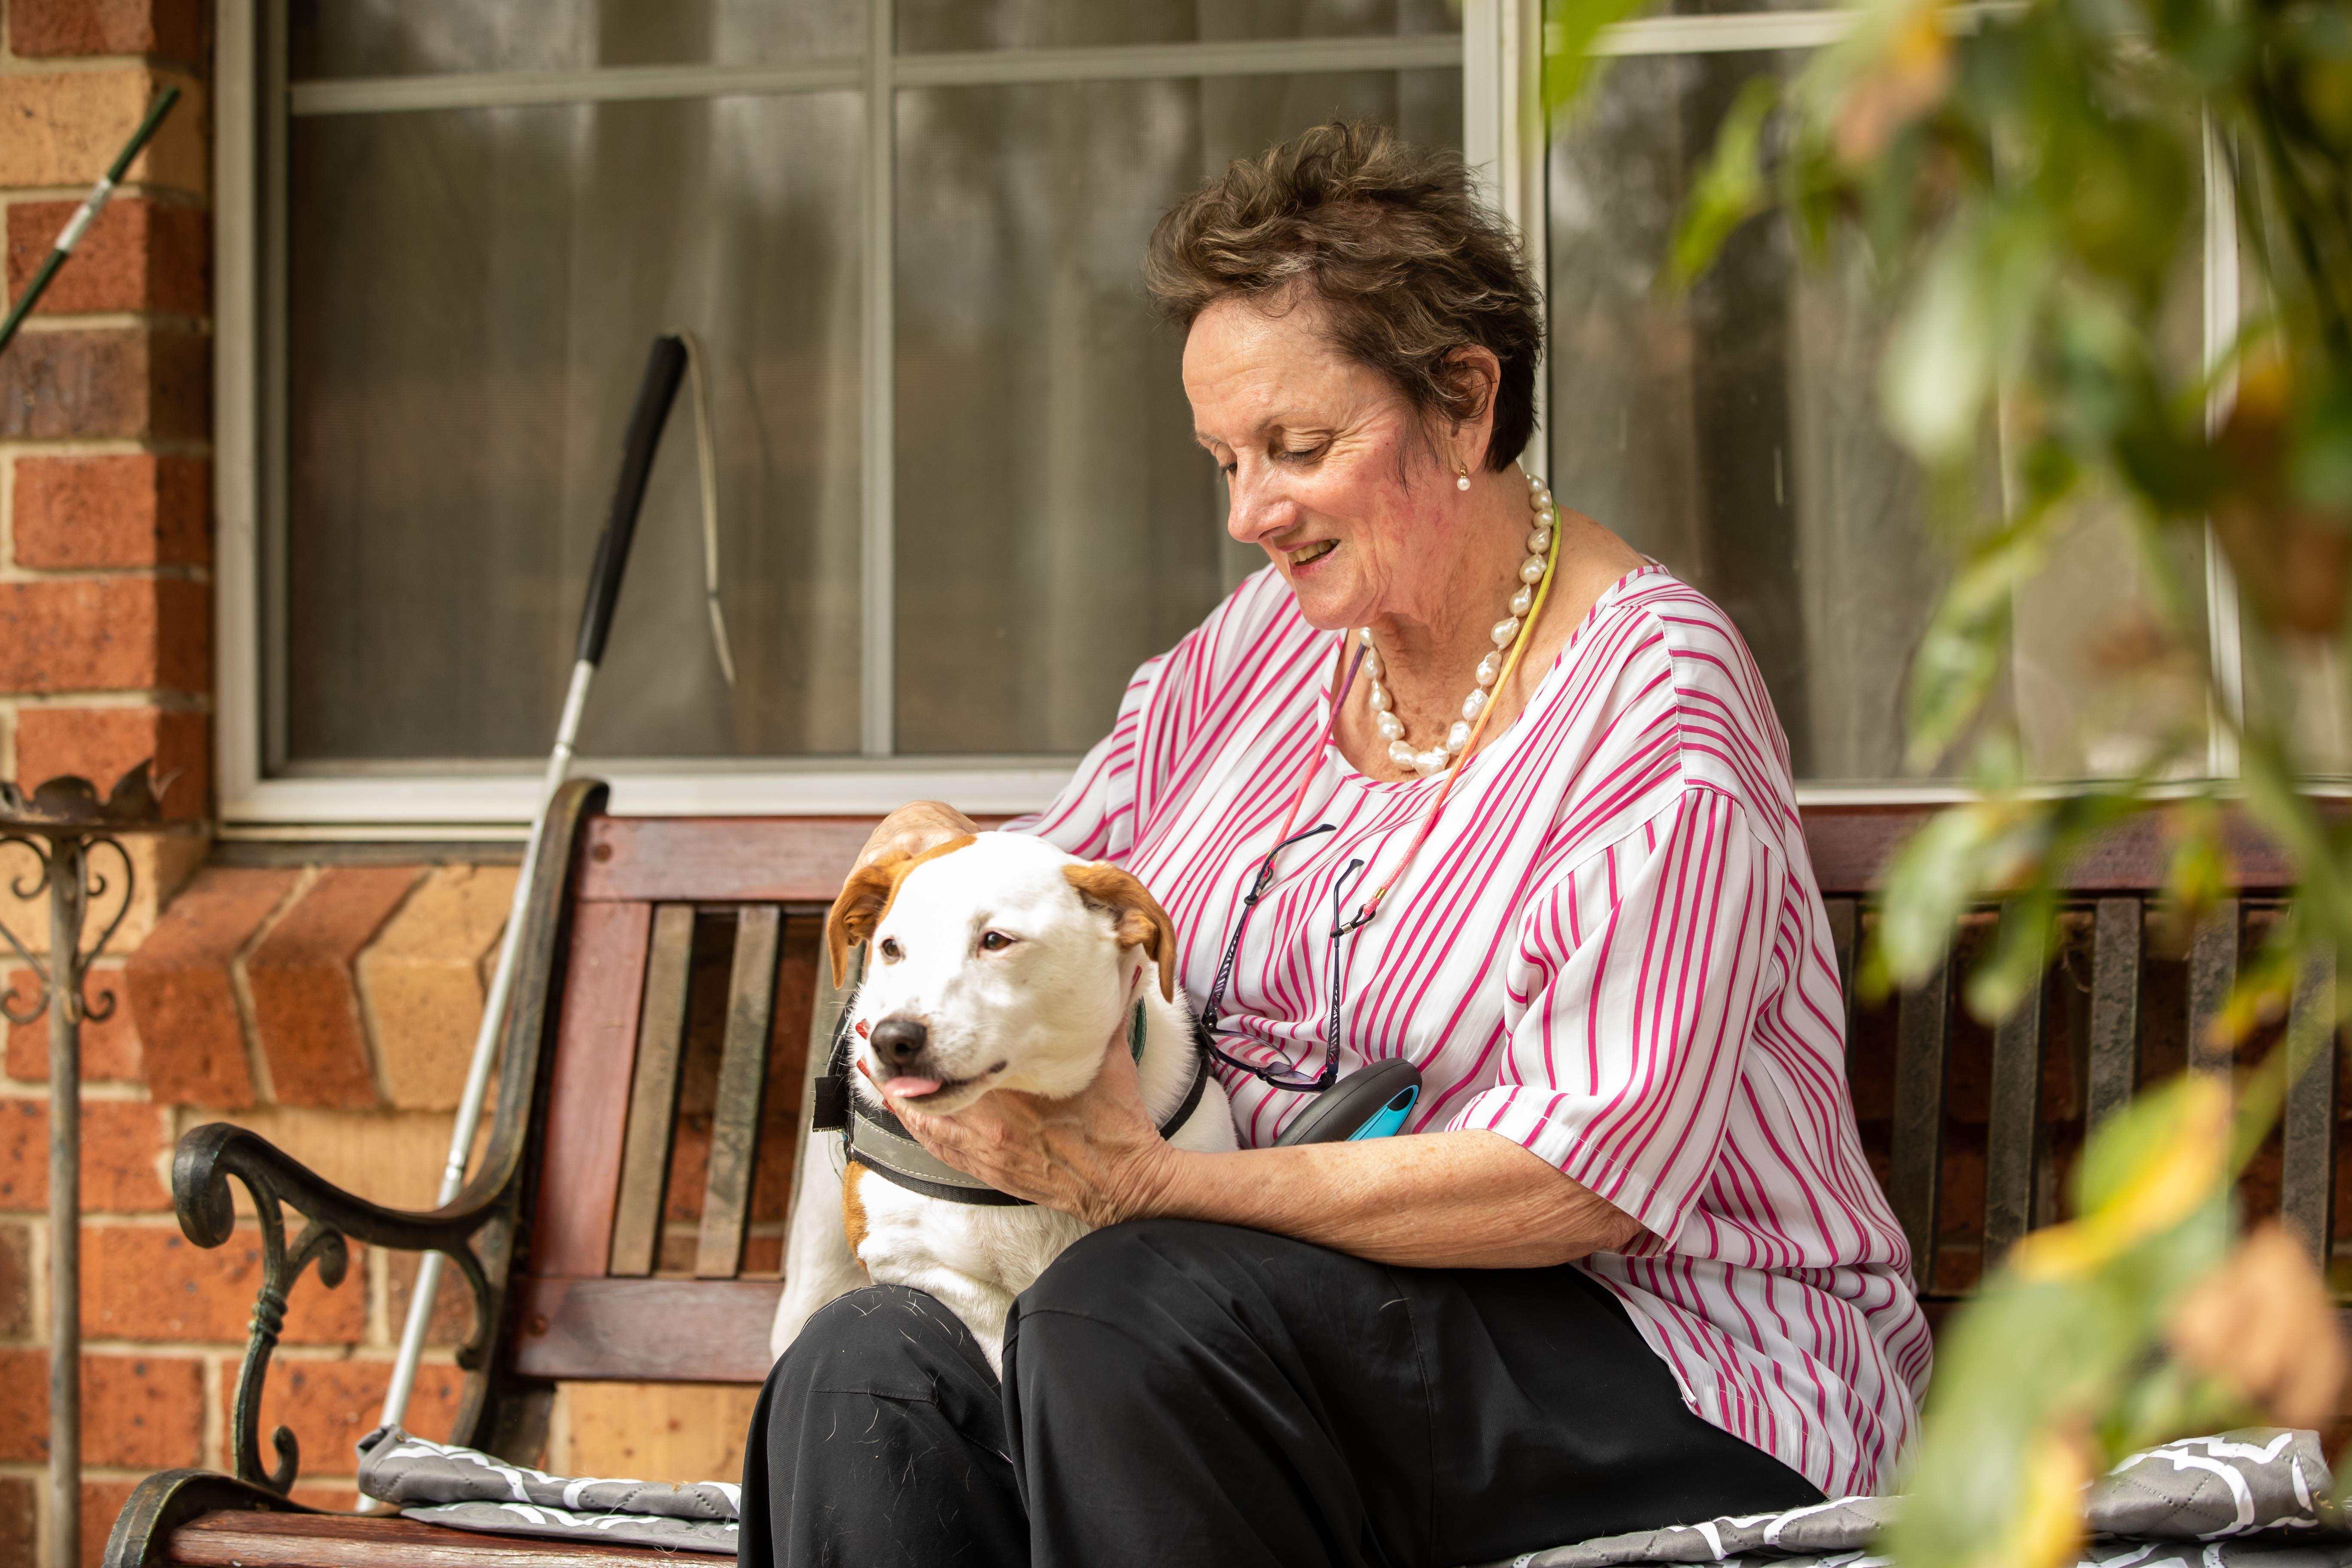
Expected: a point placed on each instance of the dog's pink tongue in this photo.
(904, 1088)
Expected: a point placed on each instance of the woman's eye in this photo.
(994, 942)
(890, 949)
(1299, 454)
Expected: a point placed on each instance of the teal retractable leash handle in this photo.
(1370, 1102)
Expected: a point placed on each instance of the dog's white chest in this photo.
(974, 1257)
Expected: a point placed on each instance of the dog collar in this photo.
(876, 1139)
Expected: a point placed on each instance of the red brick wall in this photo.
(105, 658)
(331, 1007)
(105, 650)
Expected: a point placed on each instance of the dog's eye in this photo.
(994, 942)
(890, 950)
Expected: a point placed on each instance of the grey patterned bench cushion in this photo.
(443, 1485)
(2254, 1499)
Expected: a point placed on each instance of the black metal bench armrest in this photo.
(209, 1156)
(479, 1230)
(200, 1169)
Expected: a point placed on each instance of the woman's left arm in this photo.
(1469, 1199)
(1434, 1200)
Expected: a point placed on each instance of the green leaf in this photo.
(1571, 28)
(2197, 871)
(1730, 189)
(2022, 944)
(2125, 1144)
(2006, 1364)
(1962, 652)
(1937, 873)
(1938, 374)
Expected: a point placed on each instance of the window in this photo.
(1733, 431)
(957, 497)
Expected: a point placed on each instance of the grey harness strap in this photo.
(878, 1140)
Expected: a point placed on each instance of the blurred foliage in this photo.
(2030, 181)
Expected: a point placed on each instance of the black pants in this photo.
(1195, 1395)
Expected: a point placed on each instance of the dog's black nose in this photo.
(898, 1040)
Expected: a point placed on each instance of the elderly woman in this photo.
(1628, 1265)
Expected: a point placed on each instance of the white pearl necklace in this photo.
(1436, 759)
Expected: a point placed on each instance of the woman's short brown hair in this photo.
(1408, 263)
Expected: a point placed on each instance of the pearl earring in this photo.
(1463, 483)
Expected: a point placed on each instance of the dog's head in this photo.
(996, 962)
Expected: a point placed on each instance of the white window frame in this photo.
(1498, 52)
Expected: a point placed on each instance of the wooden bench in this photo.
(620, 1228)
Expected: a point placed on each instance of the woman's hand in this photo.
(1468, 1199)
(1097, 1155)
(917, 825)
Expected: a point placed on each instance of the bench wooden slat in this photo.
(2013, 1122)
(720, 860)
(2308, 1136)
(2212, 968)
(653, 1097)
(742, 1084)
(240, 1540)
(596, 1034)
(1923, 1034)
(2118, 936)
(647, 1331)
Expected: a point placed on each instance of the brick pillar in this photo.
(105, 658)
(331, 1007)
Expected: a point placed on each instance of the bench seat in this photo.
(228, 1538)
(626, 1221)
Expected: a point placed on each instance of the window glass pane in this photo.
(1725, 7)
(1056, 523)
(938, 24)
(330, 38)
(2095, 691)
(1733, 432)
(2300, 684)
(471, 297)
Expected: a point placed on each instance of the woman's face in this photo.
(1330, 471)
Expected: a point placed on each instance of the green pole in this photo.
(87, 214)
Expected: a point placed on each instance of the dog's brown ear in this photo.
(1141, 922)
(866, 898)
(859, 909)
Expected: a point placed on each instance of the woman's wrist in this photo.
(1157, 1183)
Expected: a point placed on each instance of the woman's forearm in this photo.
(1438, 1200)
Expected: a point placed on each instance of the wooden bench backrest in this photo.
(694, 997)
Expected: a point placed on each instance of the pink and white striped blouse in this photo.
(1610, 951)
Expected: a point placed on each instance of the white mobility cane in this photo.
(656, 392)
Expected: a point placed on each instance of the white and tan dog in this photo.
(993, 963)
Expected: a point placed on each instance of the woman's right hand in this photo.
(914, 827)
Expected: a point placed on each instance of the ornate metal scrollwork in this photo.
(477, 1231)
(67, 856)
(207, 1158)
(61, 824)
